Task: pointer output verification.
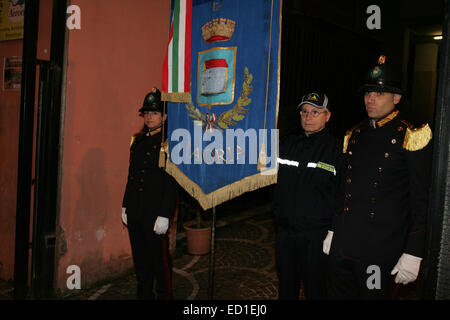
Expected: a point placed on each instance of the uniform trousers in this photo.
(352, 279)
(151, 259)
(300, 258)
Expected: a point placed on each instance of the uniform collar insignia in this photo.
(155, 131)
(379, 123)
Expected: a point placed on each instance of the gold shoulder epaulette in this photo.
(132, 140)
(417, 139)
(347, 136)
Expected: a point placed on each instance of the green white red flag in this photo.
(177, 62)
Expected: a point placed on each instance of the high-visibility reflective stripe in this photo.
(309, 165)
(314, 165)
(288, 162)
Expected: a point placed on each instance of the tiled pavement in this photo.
(244, 265)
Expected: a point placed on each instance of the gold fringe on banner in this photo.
(225, 193)
(178, 97)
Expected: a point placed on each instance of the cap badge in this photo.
(376, 72)
(312, 96)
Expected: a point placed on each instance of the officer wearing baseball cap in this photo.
(149, 202)
(316, 99)
(308, 173)
(381, 222)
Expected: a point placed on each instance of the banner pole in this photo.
(211, 256)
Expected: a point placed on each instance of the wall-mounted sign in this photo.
(12, 73)
(11, 19)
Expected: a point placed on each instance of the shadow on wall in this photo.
(88, 220)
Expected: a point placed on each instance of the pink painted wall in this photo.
(9, 132)
(113, 61)
(9, 140)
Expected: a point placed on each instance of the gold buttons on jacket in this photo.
(375, 184)
(400, 129)
(348, 180)
(386, 155)
(353, 141)
(393, 141)
(346, 209)
(372, 214)
(348, 196)
(147, 153)
(349, 167)
(380, 169)
(350, 152)
(141, 189)
(373, 199)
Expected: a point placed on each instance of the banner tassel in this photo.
(262, 160)
(162, 157)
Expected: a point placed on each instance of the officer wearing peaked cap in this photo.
(149, 202)
(379, 230)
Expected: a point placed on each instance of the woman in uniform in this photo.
(149, 203)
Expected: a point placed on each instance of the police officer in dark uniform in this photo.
(309, 165)
(378, 236)
(149, 203)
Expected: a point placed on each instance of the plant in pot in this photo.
(198, 229)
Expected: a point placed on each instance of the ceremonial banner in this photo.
(223, 141)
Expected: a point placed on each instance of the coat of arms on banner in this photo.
(216, 77)
(222, 126)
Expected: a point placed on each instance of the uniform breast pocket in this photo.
(323, 169)
(320, 176)
(323, 178)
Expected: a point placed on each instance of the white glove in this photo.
(161, 225)
(327, 242)
(124, 216)
(407, 269)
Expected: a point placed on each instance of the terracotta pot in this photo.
(198, 239)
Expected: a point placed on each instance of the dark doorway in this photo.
(319, 56)
(327, 46)
(37, 190)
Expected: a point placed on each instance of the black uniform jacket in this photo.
(384, 192)
(308, 171)
(150, 191)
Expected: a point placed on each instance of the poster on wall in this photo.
(11, 19)
(12, 73)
